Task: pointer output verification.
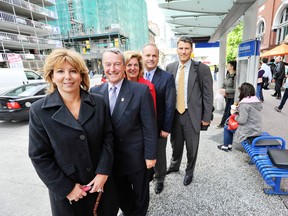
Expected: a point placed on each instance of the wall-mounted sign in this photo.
(249, 48)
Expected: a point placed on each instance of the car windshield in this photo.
(25, 90)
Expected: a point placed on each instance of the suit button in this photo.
(88, 169)
(82, 137)
(121, 140)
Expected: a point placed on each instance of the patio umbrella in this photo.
(278, 50)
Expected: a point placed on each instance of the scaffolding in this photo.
(124, 22)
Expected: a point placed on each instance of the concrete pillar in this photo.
(222, 67)
(247, 70)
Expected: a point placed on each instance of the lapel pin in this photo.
(122, 99)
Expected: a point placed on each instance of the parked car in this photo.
(15, 103)
(12, 78)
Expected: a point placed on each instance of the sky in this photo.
(156, 15)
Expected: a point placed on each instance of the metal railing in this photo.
(32, 7)
(23, 21)
(4, 36)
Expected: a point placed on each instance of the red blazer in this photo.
(151, 88)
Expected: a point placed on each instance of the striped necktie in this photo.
(112, 99)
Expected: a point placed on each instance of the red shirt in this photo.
(151, 88)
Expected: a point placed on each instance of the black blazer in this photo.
(134, 126)
(165, 99)
(65, 151)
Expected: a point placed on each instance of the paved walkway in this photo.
(224, 183)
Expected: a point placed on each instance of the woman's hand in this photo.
(97, 183)
(77, 193)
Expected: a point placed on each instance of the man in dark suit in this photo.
(194, 90)
(134, 130)
(278, 76)
(165, 104)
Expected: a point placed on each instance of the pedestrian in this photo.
(278, 76)
(70, 137)
(216, 69)
(267, 76)
(247, 115)
(194, 90)
(134, 129)
(272, 66)
(135, 71)
(228, 91)
(259, 92)
(284, 98)
(165, 100)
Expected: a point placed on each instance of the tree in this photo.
(234, 38)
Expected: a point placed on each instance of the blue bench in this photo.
(271, 159)
(273, 167)
(259, 145)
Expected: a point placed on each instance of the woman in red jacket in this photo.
(135, 72)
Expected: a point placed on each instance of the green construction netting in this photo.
(128, 17)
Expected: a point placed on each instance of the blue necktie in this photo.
(112, 99)
(148, 76)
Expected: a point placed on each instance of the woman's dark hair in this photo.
(233, 64)
(246, 90)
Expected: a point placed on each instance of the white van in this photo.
(10, 78)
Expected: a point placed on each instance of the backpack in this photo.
(200, 81)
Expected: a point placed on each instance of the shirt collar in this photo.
(187, 64)
(118, 85)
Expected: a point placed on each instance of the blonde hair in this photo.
(59, 56)
(131, 54)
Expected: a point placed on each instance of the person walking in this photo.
(284, 98)
(70, 138)
(228, 91)
(267, 76)
(165, 105)
(278, 76)
(135, 133)
(259, 91)
(194, 85)
(216, 69)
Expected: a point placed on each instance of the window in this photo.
(261, 28)
(282, 30)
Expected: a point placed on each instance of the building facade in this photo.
(272, 24)
(25, 34)
(91, 26)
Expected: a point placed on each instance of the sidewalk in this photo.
(224, 182)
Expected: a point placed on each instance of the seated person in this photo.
(247, 115)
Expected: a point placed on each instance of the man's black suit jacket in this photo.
(134, 126)
(165, 99)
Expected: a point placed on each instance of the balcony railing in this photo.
(23, 21)
(29, 39)
(32, 7)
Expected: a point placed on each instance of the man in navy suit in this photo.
(134, 130)
(165, 103)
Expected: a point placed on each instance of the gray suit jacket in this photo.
(200, 95)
